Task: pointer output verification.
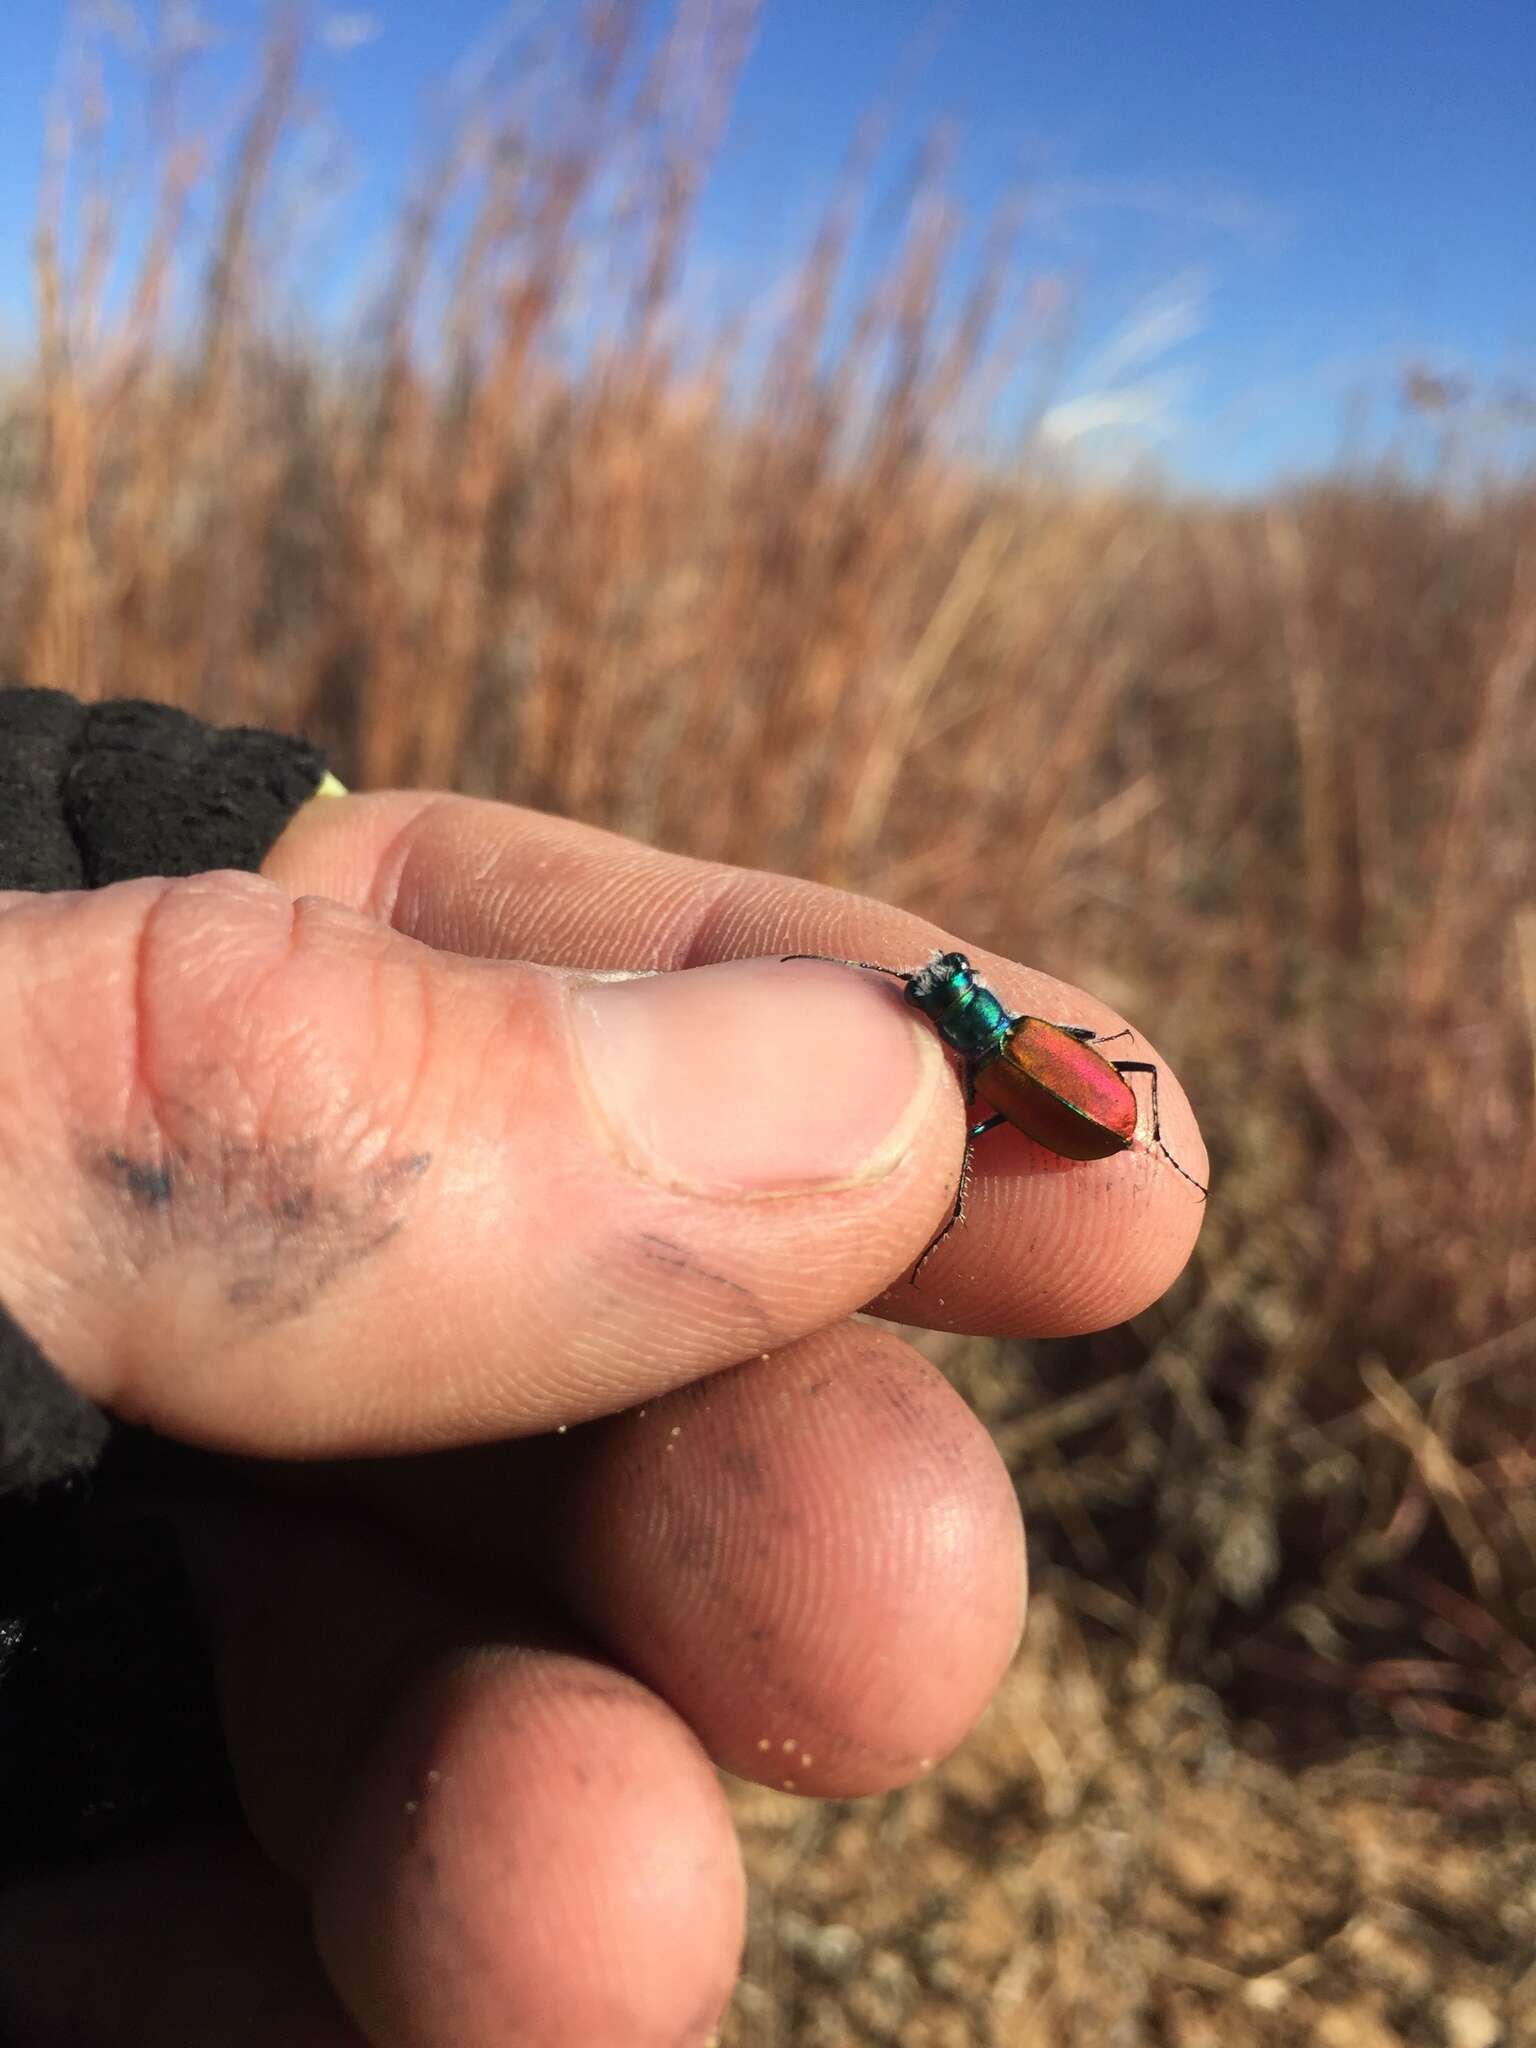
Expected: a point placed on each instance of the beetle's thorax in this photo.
(964, 1011)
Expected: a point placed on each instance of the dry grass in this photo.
(1260, 774)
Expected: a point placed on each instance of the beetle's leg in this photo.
(957, 1214)
(1146, 1067)
(1086, 1035)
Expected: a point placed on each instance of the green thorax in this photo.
(967, 1015)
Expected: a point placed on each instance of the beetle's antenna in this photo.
(832, 960)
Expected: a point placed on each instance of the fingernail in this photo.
(756, 1077)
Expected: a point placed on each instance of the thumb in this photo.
(278, 1179)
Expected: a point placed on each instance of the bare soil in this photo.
(1110, 1862)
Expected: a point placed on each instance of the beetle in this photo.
(1049, 1081)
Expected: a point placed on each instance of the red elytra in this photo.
(1058, 1091)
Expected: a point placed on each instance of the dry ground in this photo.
(1111, 1862)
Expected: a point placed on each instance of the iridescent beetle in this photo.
(1045, 1079)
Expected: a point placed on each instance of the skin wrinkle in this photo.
(252, 995)
(394, 860)
(379, 972)
(691, 947)
(736, 903)
(138, 1066)
(510, 1052)
(666, 915)
(137, 1174)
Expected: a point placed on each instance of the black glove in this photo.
(108, 1730)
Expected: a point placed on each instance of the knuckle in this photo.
(258, 1033)
(198, 1088)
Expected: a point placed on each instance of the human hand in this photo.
(318, 1170)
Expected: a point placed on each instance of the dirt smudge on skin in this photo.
(661, 1251)
(649, 1281)
(744, 1466)
(281, 1221)
(146, 1185)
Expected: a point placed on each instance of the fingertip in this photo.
(817, 1558)
(1054, 1247)
(536, 1850)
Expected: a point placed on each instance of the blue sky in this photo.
(1259, 214)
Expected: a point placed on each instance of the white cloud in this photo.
(1224, 209)
(1161, 323)
(347, 32)
(1147, 410)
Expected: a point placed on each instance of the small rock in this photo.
(1267, 1994)
(830, 1949)
(881, 1998)
(1469, 2024)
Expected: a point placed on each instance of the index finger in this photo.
(1049, 1246)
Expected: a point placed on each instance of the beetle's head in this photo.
(933, 988)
